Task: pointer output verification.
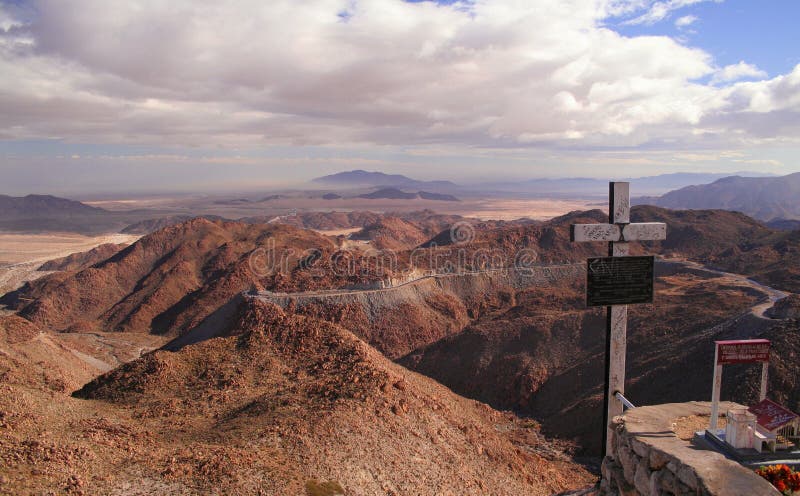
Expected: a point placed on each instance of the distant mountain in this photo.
(22, 207)
(46, 213)
(552, 187)
(764, 198)
(388, 194)
(647, 185)
(425, 195)
(677, 180)
(396, 194)
(358, 178)
(50, 213)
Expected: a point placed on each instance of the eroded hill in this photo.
(284, 404)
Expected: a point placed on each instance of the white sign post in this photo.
(618, 232)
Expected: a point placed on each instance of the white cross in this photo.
(618, 232)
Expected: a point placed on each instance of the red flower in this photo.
(782, 477)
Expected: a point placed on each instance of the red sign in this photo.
(742, 351)
(771, 415)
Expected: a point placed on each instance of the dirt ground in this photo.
(22, 254)
(685, 427)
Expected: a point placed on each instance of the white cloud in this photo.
(685, 21)
(499, 74)
(735, 72)
(660, 10)
(778, 95)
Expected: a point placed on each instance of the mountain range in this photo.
(656, 184)
(597, 187)
(765, 198)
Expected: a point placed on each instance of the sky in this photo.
(189, 95)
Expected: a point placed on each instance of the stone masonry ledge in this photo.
(649, 458)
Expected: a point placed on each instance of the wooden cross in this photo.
(618, 232)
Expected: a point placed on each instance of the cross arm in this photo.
(638, 231)
(594, 232)
(644, 231)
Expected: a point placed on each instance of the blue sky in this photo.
(100, 96)
(763, 33)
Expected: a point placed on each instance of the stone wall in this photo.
(650, 459)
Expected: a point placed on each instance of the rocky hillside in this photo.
(83, 260)
(543, 355)
(399, 320)
(151, 225)
(322, 221)
(728, 240)
(283, 405)
(298, 395)
(169, 281)
(391, 233)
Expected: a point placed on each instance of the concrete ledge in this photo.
(650, 459)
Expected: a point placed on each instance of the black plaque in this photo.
(619, 281)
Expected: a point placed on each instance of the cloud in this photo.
(658, 11)
(735, 72)
(685, 21)
(502, 74)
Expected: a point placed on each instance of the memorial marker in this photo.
(618, 286)
(763, 432)
(737, 351)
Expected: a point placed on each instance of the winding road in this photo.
(351, 291)
(771, 295)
